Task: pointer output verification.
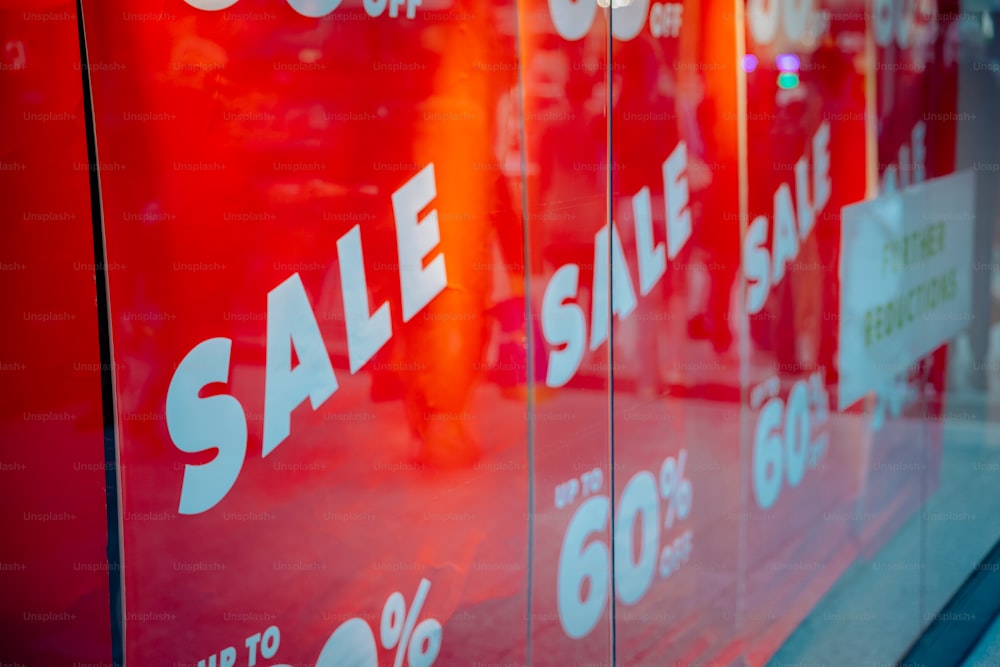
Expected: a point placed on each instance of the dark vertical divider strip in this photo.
(104, 341)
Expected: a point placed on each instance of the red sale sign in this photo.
(806, 143)
(323, 446)
(623, 179)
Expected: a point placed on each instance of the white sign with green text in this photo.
(905, 280)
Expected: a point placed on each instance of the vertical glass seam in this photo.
(111, 478)
(609, 101)
(530, 350)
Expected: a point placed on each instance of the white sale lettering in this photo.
(366, 332)
(763, 268)
(801, 22)
(652, 259)
(415, 240)
(321, 8)
(791, 435)
(564, 323)
(656, 504)
(197, 424)
(291, 322)
(573, 19)
(623, 299)
(219, 422)
(910, 167)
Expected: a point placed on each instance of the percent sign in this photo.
(639, 506)
(675, 488)
(352, 644)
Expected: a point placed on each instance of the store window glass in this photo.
(481, 332)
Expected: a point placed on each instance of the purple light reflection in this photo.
(787, 62)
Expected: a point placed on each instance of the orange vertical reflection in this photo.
(453, 130)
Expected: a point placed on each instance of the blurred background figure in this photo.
(971, 47)
(716, 236)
